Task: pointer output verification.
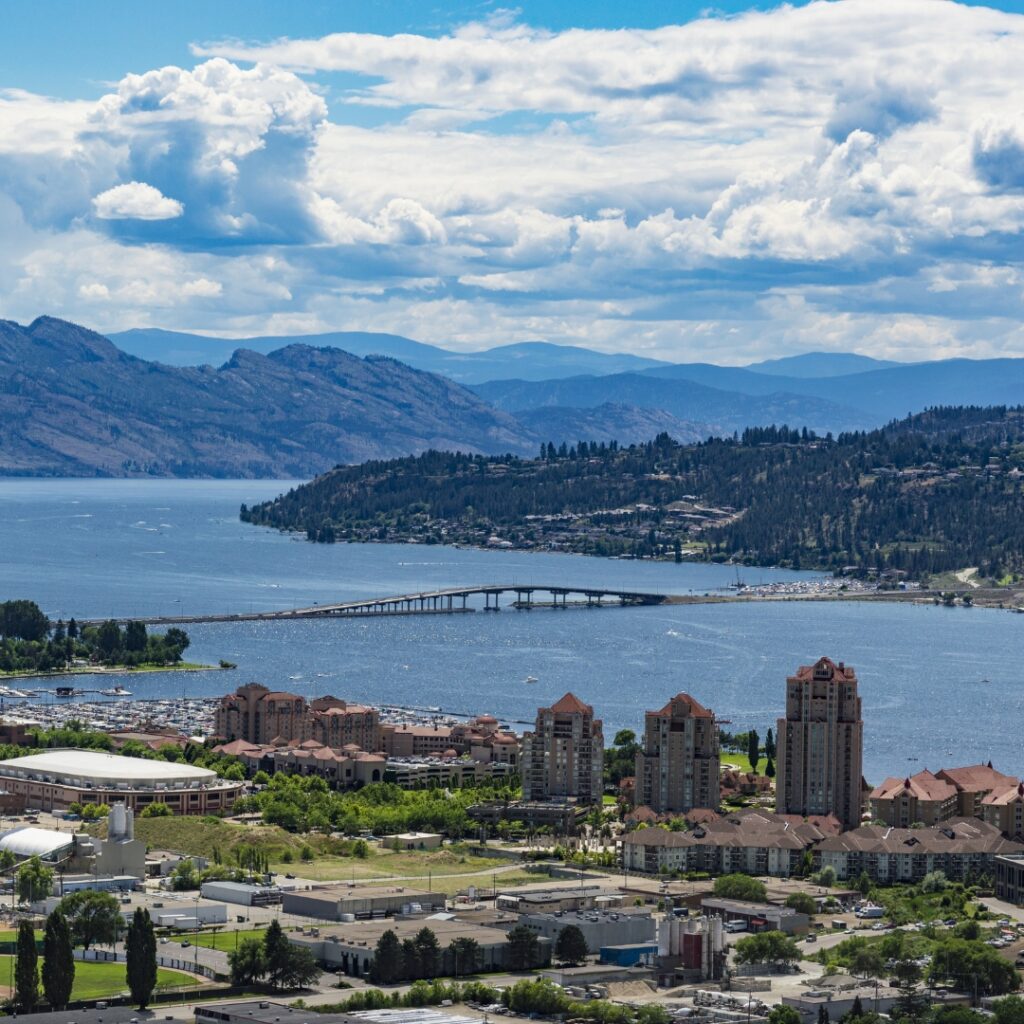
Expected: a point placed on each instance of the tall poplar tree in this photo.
(140, 954)
(26, 969)
(58, 961)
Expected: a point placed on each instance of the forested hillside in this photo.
(941, 490)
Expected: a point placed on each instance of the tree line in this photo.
(934, 492)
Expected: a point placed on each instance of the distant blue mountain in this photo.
(820, 364)
(528, 360)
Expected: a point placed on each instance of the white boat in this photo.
(531, 679)
(116, 691)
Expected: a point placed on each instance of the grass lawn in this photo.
(741, 761)
(97, 980)
(387, 863)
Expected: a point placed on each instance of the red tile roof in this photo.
(695, 708)
(975, 778)
(922, 786)
(570, 704)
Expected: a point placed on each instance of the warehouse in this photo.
(56, 779)
(350, 950)
(757, 917)
(347, 903)
(241, 893)
(599, 928)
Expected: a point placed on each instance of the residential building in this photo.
(1004, 808)
(973, 784)
(820, 744)
(678, 766)
(754, 842)
(962, 848)
(921, 798)
(1008, 872)
(341, 768)
(564, 756)
(259, 715)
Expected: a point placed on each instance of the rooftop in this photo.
(81, 765)
(35, 842)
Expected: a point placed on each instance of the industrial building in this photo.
(599, 927)
(241, 893)
(350, 950)
(264, 1011)
(349, 903)
(118, 862)
(550, 901)
(694, 947)
(56, 779)
(758, 917)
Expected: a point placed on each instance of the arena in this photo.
(56, 779)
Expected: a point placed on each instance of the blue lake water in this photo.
(939, 686)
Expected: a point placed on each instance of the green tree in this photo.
(464, 955)
(301, 969)
(387, 967)
(93, 916)
(738, 886)
(767, 948)
(140, 958)
(109, 639)
(823, 1015)
(35, 881)
(753, 748)
(523, 949)
(867, 962)
(864, 884)
(184, 876)
(769, 769)
(428, 952)
(769, 745)
(26, 969)
(571, 946)
(135, 637)
(247, 963)
(802, 903)
(275, 949)
(58, 961)
(972, 966)
(1009, 1010)
(783, 1015)
(156, 810)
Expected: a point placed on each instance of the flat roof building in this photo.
(334, 902)
(55, 779)
(599, 927)
(758, 917)
(350, 949)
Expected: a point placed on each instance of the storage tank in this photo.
(116, 824)
(677, 932)
(664, 936)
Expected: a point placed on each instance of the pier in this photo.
(448, 601)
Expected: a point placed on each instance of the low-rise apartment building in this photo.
(756, 843)
(962, 848)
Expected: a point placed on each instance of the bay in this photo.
(940, 686)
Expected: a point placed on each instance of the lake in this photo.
(940, 686)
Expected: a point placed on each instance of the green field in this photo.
(740, 761)
(389, 864)
(97, 980)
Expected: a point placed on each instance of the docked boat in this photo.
(116, 691)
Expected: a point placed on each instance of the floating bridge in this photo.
(447, 601)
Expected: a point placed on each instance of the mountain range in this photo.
(528, 360)
(74, 403)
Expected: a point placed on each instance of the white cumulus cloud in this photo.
(136, 200)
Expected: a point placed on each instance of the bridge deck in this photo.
(445, 601)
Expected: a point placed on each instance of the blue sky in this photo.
(726, 182)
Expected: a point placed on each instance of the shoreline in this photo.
(107, 670)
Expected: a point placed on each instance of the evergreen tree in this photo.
(26, 969)
(823, 1017)
(571, 946)
(769, 769)
(140, 956)
(387, 960)
(753, 748)
(769, 745)
(275, 951)
(58, 961)
(523, 949)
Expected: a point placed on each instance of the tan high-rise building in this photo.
(564, 755)
(820, 744)
(678, 766)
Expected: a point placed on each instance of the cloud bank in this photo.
(841, 175)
